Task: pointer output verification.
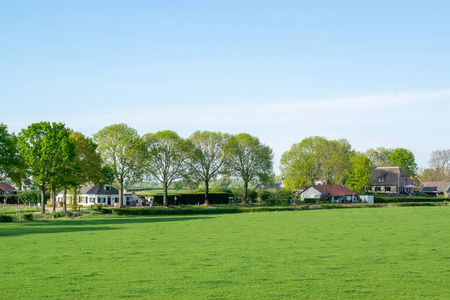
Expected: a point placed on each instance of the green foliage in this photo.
(97, 207)
(11, 163)
(6, 218)
(404, 159)
(165, 157)
(279, 197)
(207, 157)
(359, 178)
(239, 194)
(122, 150)
(315, 158)
(29, 197)
(249, 159)
(48, 152)
(27, 217)
(379, 157)
(192, 199)
(380, 199)
(11, 199)
(263, 195)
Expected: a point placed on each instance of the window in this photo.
(107, 188)
(387, 189)
(380, 179)
(91, 200)
(378, 189)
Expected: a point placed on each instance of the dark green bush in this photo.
(311, 200)
(193, 198)
(379, 199)
(10, 199)
(278, 202)
(6, 218)
(97, 207)
(27, 217)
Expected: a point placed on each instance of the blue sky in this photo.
(374, 72)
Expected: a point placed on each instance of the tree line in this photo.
(55, 157)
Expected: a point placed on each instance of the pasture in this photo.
(376, 253)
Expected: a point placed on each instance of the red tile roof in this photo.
(6, 187)
(335, 190)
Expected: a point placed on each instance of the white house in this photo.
(103, 194)
(338, 193)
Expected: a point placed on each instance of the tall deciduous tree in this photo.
(249, 159)
(11, 164)
(122, 149)
(379, 156)
(404, 159)
(165, 159)
(359, 178)
(315, 158)
(439, 166)
(46, 149)
(86, 166)
(207, 157)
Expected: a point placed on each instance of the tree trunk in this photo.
(64, 200)
(43, 199)
(206, 193)
(120, 193)
(244, 200)
(52, 195)
(75, 198)
(165, 201)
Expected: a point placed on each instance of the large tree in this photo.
(122, 149)
(11, 164)
(165, 158)
(315, 158)
(404, 159)
(379, 156)
(359, 178)
(46, 149)
(249, 159)
(440, 165)
(207, 157)
(86, 166)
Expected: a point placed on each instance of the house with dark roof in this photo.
(436, 188)
(390, 180)
(338, 193)
(6, 189)
(103, 194)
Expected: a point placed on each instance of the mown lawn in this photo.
(375, 253)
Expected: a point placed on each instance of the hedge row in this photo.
(12, 199)
(231, 210)
(379, 199)
(193, 198)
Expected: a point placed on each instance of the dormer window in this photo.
(107, 188)
(380, 179)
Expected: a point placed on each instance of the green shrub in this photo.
(6, 218)
(193, 198)
(10, 199)
(311, 200)
(27, 217)
(97, 207)
(379, 199)
(278, 202)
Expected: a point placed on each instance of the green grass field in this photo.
(13, 209)
(371, 253)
